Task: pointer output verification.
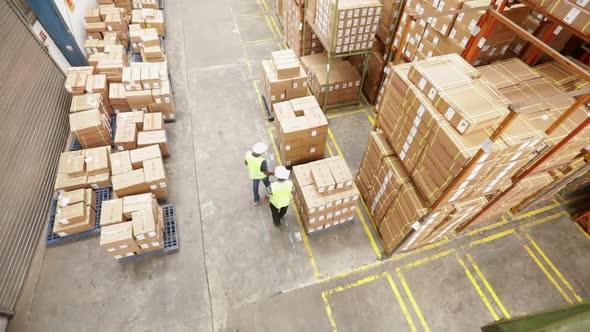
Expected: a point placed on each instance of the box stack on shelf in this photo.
(345, 80)
(149, 18)
(325, 193)
(132, 225)
(356, 23)
(75, 212)
(83, 169)
(575, 14)
(293, 23)
(284, 78)
(301, 130)
(442, 35)
(90, 122)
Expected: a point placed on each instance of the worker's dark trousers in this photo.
(277, 214)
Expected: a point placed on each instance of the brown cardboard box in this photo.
(126, 136)
(159, 137)
(130, 183)
(145, 227)
(138, 156)
(92, 16)
(135, 203)
(73, 228)
(153, 121)
(120, 162)
(99, 180)
(76, 166)
(71, 197)
(86, 102)
(97, 160)
(155, 176)
(71, 214)
(111, 212)
(117, 98)
(118, 238)
(576, 17)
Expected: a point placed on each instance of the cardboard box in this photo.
(574, 16)
(138, 156)
(111, 212)
(153, 121)
(145, 226)
(99, 180)
(117, 238)
(76, 166)
(67, 198)
(97, 160)
(159, 137)
(126, 136)
(135, 203)
(71, 214)
(120, 162)
(74, 228)
(155, 176)
(130, 183)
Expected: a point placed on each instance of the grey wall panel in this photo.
(33, 131)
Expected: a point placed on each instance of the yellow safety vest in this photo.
(254, 164)
(281, 193)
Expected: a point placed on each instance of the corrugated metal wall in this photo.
(33, 132)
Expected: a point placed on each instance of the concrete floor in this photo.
(235, 271)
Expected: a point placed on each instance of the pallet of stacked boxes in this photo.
(147, 88)
(132, 225)
(301, 130)
(140, 4)
(345, 80)
(147, 43)
(139, 171)
(325, 193)
(75, 212)
(355, 27)
(106, 25)
(284, 78)
(83, 169)
(293, 26)
(110, 62)
(90, 120)
(149, 18)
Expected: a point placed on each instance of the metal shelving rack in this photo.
(332, 55)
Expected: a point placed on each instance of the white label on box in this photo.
(127, 87)
(153, 187)
(111, 249)
(402, 155)
(118, 256)
(337, 86)
(453, 33)
(330, 188)
(349, 183)
(312, 150)
(487, 145)
(144, 246)
(140, 237)
(129, 254)
(167, 100)
(450, 114)
(155, 244)
(406, 147)
(120, 148)
(582, 3)
(485, 48)
(312, 220)
(432, 93)
(337, 213)
(69, 88)
(558, 30)
(329, 205)
(483, 158)
(460, 16)
(464, 42)
(422, 83)
(444, 29)
(282, 96)
(346, 200)
(413, 131)
(273, 98)
(158, 100)
(416, 226)
(314, 133)
(481, 43)
(147, 86)
(462, 126)
(64, 221)
(322, 217)
(124, 246)
(110, 28)
(152, 234)
(62, 234)
(330, 215)
(516, 156)
(287, 147)
(572, 15)
(321, 190)
(94, 186)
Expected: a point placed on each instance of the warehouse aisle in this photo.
(236, 271)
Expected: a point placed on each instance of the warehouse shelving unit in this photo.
(332, 55)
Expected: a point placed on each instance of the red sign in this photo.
(43, 36)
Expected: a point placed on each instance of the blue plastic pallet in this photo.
(171, 244)
(76, 144)
(269, 116)
(103, 194)
(137, 57)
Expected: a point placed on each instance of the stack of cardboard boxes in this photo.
(132, 134)
(75, 212)
(284, 78)
(575, 14)
(149, 18)
(139, 171)
(301, 130)
(131, 225)
(140, 4)
(293, 26)
(83, 169)
(110, 62)
(345, 80)
(325, 193)
(90, 122)
(107, 23)
(147, 43)
(356, 23)
(147, 88)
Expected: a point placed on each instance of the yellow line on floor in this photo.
(536, 211)
(359, 282)
(260, 100)
(351, 272)
(581, 229)
(429, 259)
(549, 276)
(558, 195)
(419, 250)
(552, 266)
(477, 288)
(488, 287)
(274, 23)
(492, 237)
(252, 15)
(280, 46)
(503, 222)
(370, 117)
(358, 212)
(401, 303)
(329, 311)
(265, 5)
(412, 300)
(316, 272)
(543, 220)
(259, 42)
(270, 27)
(337, 115)
(330, 150)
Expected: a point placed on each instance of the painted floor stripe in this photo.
(488, 287)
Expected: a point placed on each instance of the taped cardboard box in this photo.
(87, 224)
(134, 203)
(576, 17)
(118, 98)
(132, 118)
(97, 160)
(159, 137)
(126, 136)
(120, 162)
(86, 196)
(155, 176)
(91, 128)
(138, 156)
(99, 180)
(146, 228)
(118, 240)
(153, 121)
(111, 212)
(130, 183)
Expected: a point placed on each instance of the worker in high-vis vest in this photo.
(257, 168)
(280, 194)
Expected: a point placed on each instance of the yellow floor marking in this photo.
(330, 152)
(543, 220)
(337, 115)
(488, 287)
(250, 15)
(265, 5)
(335, 144)
(316, 272)
(270, 27)
(429, 259)
(274, 23)
(401, 302)
(536, 211)
(351, 272)
(274, 145)
(280, 46)
(260, 100)
(549, 276)
(419, 250)
(329, 311)
(260, 42)
(552, 266)
(503, 222)
(492, 237)
(582, 230)
(477, 288)
(558, 195)
(370, 117)
(412, 300)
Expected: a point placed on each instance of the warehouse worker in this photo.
(257, 168)
(280, 194)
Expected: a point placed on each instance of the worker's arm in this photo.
(264, 169)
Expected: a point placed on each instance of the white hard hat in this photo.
(259, 148)
(282, 173)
